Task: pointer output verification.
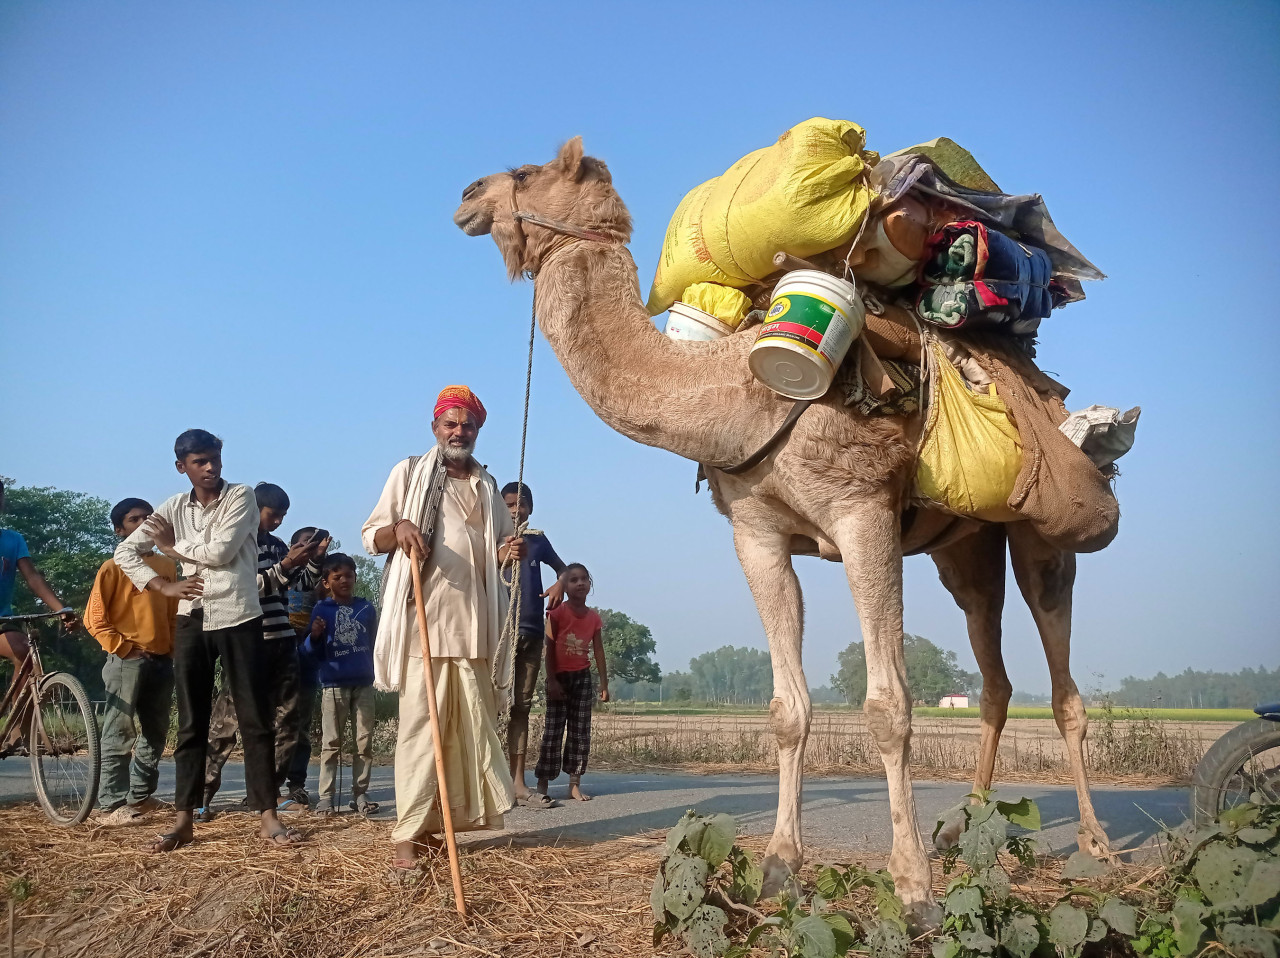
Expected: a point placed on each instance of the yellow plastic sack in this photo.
(803, 195)
(730, 306)
(971, 453)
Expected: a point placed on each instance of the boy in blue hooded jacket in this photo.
(343, 627)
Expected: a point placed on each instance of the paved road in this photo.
(840, 814)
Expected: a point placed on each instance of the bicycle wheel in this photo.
(63, 741)
(1244, 761)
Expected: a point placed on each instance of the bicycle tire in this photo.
(74, 811)
(1223, 760)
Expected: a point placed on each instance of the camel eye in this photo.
(521, 176)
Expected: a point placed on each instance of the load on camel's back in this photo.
(904, 280)
(836, 478)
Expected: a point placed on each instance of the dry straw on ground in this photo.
(94, 892)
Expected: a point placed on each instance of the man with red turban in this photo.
(446, 507)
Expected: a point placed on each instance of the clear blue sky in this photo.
(237, 216)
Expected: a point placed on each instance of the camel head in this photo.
(572, 189)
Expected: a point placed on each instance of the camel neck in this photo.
(647, 387)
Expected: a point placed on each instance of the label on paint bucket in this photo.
(811, 322)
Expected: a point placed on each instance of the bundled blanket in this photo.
(977, 277)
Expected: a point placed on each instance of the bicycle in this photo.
(1241, 764)
(47, 716)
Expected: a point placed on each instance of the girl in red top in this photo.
(573, 633)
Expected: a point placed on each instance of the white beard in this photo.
(456, 453)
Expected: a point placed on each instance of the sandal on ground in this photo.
(404, 871)
(285, 838)
(362, 806)
(290, 805)
(168, 842)
(536, 800)
(299, 795)
(120, 815)
(206, 814)
(324, 809)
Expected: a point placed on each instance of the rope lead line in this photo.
(507, 639)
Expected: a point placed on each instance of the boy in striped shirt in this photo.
(280, 568)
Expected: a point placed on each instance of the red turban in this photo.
(460, 397)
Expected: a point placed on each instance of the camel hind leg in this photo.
(972, 570)
(766, 560)
(1046, 575)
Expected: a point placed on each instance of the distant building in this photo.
(954, 701)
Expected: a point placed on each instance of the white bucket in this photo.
(812, 321)
(689, 323)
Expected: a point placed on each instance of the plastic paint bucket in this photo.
(691, 324)
(812, 321)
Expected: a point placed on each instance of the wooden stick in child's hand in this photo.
(442, 784)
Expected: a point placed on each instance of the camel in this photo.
(836, 487)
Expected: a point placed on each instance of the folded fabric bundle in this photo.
(973, 276)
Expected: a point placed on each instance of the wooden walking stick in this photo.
(442, 784)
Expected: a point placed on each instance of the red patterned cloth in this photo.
(460, 397)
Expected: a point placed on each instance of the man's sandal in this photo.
(168, 842)
(362, 806)
(285, 838)
(536, 800)
(206, 814)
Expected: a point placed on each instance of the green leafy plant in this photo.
(1222, 886)
(981, 915)
(706, 888)
(687, 891)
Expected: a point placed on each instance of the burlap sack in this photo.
(1059, 490)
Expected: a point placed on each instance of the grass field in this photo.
(923, 711)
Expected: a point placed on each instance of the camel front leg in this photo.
(1046, 576)
(973, 572)
(766, 560)
(869, 544)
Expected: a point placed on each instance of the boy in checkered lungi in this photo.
(573, 634)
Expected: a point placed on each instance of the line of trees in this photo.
(1193, 689)
(727, 676)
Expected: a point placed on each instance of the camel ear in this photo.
(570, 158)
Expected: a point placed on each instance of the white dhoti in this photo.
(480, 788)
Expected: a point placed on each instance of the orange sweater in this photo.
(122, 618)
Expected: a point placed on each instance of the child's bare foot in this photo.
(577, 794)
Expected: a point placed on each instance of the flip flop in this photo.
(537, 800)
(290, 836)
(168, 842)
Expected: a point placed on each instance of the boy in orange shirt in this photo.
(136, 629)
